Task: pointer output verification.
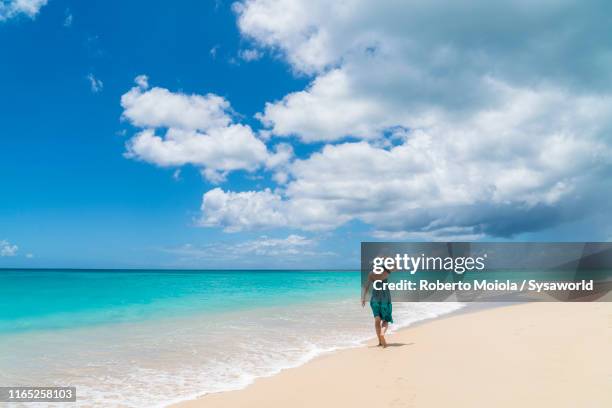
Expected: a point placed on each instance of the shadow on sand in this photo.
(394, 345)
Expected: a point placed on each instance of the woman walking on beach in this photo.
(380, 302)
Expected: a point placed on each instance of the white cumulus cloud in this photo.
(429, 118)
(237, 211)
(475, 119)
(13, 8)
(8, 249)
(533, 159)
(376, 65)
(158, 107)
(180, 129)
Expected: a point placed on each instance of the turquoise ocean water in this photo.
(149, 338)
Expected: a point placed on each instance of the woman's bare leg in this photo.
(378, 329)
(383, 331)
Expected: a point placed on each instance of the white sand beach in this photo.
(527, 355)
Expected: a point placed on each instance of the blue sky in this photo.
(283, 133)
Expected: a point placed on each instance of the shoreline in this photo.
(459, 308)
(466, 308)
(514, 331)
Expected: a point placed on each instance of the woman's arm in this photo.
(364, 292)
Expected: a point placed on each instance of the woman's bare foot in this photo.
(383, 342)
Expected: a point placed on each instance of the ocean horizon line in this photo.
(356, 269)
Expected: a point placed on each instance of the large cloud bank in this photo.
(436, 119)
